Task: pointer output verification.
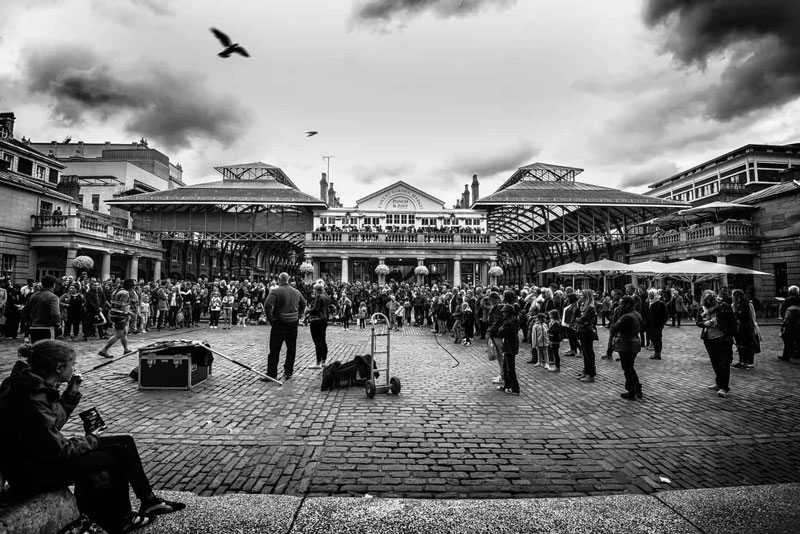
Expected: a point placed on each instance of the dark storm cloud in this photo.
(761, 39)
(636, 177)
(370, 175)
(172, 108)
(492, 163)
(386, 10)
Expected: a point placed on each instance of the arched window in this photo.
(190, 257)
(176, 255)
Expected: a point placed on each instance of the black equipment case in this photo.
(174, 365)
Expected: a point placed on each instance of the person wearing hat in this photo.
(509, 333)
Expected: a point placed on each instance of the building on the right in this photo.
(745, 212)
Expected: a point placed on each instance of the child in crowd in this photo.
(214, 309)
(345, 311)
(244, 307)
(555, 335)
(227, 311)
(399, 313)
(362, 315)
(144, 311)
(468, 323)
(540, 342)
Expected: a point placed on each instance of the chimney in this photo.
(465, 197)
(475, 188)
(69, 185)
(7, 119)
(331, 196)
(323, 187)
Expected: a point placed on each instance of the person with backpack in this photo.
(719, 326)
(119, 315)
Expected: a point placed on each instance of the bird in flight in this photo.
(309, 134)
(230, 47)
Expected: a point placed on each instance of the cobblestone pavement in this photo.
(450, 434)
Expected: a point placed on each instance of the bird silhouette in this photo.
(230, 47)
(309, 134)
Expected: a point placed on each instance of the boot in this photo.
(639, 391)
(630, 395)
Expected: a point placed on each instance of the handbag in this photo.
(632, 344)
(492, 350)
(594, 334)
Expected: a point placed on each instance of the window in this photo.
(214, 261)
(781, 279)
(25, 166)
(80, 199)
(41, 172)
(45, 208)
(176, 255)
(53, 176)
(372, 221)
(204, 259)
(96, 202)
(190, 257)
(7, 264)
(10, 159)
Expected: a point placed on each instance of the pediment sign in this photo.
(399, 197)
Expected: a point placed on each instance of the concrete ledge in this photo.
(43, 514)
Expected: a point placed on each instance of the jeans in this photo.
(510, 372)
(279, 334)
(554, 356)
(213, 318)
(627, 359)
(720, 352)
(587, 345)
(655, 334)
(318, 327)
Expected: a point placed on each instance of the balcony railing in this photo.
(403, 238)
(725, 231)
(75, 224)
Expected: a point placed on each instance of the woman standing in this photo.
(625, 332)
(656, 318)
(75, 313)
(719, 326)
(318, 319)
(748, 336)
(586, 331)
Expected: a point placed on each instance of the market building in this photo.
(745, 212)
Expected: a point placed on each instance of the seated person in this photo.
(36, 457)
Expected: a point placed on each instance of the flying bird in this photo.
(309, 134)
(230, 47)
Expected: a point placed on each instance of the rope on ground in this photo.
(436, 338)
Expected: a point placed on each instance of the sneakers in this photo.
(587, 378)
(554, 369)
(546, 367)
(511, 392)
(501, 388)
(722, 393)
(104, 354)
(569, 353)
(316, 366)
(739, 365)
(497, 380)
(537, 364)
(712, 386)
(468, 344)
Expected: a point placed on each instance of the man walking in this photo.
(283, 309)
(43, 312)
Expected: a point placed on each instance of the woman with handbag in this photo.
(625, 333)
(748, 336)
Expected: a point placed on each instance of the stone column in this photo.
(456, 271)
(317, 273)
(420, 263)
(105, 269)
(345, 269)
(484, 272)
(71, 270)
(157, 270)
(133, 267)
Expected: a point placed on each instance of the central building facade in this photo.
(403, 228)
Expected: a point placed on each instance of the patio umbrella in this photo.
(716, 208)
(693, 270)
(604, 268)
(647, 267)
(567, 268)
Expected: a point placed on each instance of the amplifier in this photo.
(176, 366)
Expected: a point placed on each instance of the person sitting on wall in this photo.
(36, 457)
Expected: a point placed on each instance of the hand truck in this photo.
(391, 384)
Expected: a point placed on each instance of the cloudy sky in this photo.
(425, 91)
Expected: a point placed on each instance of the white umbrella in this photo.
(604, 268)
(693, 271)
(647, 267)
(716, 207)
(567, 268)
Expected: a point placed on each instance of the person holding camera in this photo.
(36, 457)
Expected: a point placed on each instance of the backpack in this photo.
(354, 372)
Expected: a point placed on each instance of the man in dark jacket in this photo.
(509, 333)
(283, 309)
(42, 312)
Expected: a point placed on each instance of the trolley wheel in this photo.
(394, 385)
(369, 388)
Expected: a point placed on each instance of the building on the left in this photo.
(53, 209)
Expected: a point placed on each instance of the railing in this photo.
(694, 236)
(407, 238)
(76, 224)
